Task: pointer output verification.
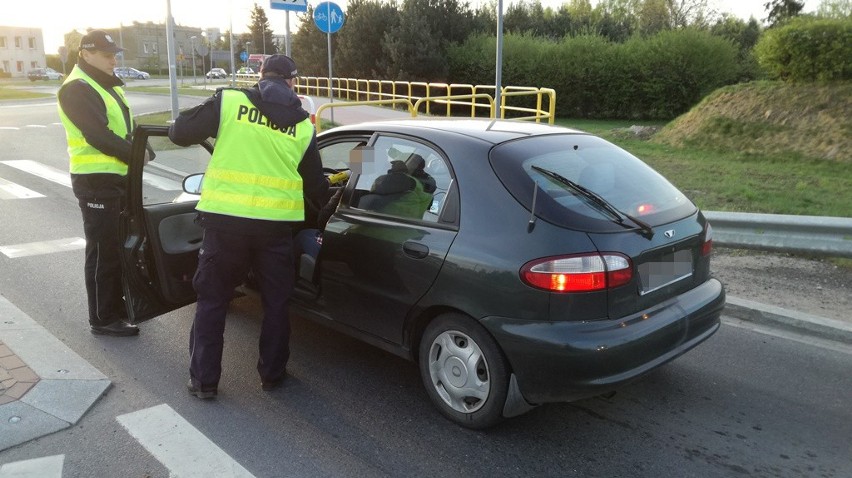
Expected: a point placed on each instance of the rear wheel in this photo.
(464, 371)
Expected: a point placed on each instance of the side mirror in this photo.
(192, 183)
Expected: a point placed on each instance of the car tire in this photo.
(464, 371)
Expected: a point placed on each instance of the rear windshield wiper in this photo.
(600, 203)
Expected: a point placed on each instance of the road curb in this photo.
(792, 320)
(64, 386)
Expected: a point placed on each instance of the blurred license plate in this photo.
(668, 270)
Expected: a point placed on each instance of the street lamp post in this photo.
(248, 51)
(206, 52)
(192, 47)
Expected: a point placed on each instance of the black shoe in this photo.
(118, 328)
(201, 392)
(271, 385)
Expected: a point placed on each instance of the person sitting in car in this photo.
(397, 193)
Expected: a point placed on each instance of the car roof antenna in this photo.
(531, 224)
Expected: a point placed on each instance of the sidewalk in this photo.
(44, 386)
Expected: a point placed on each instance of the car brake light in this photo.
(707, 245)
(644, 209)
(579, 273)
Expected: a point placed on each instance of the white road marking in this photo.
(10, 190)
(43, 247)
(35, 126)
(41, 170)
(160, 182)
(12, 128)
(179, 446)
(45, 467)
(63, 177)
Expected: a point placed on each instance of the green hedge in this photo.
(808, 49)
(657, 77)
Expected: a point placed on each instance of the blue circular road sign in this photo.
(243, 55)
(328, 17)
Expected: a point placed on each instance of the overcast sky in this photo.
(57, 17)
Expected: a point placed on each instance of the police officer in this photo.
(265, 164)
(98, 123)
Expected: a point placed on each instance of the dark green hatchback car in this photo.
(537, 264)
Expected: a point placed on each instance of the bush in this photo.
(808, 49)
(674, 69)
(657, 77)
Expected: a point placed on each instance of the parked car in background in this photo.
(217, 73)
(44, 74)
(245, 71)
(517, 263)
(128, 72)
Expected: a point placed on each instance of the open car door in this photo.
(161, 238)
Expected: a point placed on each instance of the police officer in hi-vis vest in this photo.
(264, 166)
(98, 123)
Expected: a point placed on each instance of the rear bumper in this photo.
(564, 361)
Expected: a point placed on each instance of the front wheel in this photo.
(464, 371)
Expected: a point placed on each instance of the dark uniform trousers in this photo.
(223, 262)
(103, 259)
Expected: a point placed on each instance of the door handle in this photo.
(415, 249)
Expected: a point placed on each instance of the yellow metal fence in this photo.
(441, 99)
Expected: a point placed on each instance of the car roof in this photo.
(491, 131)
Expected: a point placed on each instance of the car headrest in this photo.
(393, 183)
(415, 163)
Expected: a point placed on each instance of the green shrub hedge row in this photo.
(808, 49)
(658, 77)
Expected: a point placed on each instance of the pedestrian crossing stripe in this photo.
(41, 170)
(179, 446)
(10, 190)
(43, 247)
(63, 177)
(45, 467)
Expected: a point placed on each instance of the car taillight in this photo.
(578, 273)
(707, 245)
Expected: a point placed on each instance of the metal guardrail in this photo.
(824, 236)
(435, 96)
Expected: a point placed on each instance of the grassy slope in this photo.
(812, 120)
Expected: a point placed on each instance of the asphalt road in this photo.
(742, 403)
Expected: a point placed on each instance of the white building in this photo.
(21, 49)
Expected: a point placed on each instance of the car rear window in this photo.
(621, 179)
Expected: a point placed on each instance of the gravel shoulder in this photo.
(811, 285)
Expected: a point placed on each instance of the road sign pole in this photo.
(330, 78)
(287, 34)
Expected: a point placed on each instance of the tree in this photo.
(362, 36)
(744, 36)
(310, 47)
(835, 9)
(684, 13)
(653, 17)
(618, 19)
(260, 33)
(417, 46)
(780, 10)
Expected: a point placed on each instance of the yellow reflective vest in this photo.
(85, 158)
(254, 169)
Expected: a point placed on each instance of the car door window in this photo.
(339, 155)
(403, 178)
(162, 178)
